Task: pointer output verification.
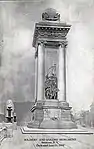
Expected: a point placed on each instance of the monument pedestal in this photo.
(52, 114)
(38, 115)
(66, 117)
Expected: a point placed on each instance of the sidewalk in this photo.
(83, 141)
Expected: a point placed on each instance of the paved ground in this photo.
(48, 141)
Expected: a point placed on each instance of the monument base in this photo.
(26, 130)
(50, 124)
(52, 114)
(33, 124)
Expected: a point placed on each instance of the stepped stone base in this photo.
(52, 114)
(34, 124)
(26, 130)
(67, 125)
(50, 124)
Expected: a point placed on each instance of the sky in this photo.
(17, 21)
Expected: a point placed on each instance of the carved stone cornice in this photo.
(55, 33)
(47, 31)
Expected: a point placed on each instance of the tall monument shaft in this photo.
(39, 69)
(51, 109)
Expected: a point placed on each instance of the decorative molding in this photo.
(41, 42)
(53, 33)
(50, 32)
(63, 44)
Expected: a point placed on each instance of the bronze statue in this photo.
(51, 89)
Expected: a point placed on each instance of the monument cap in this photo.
(50, 14)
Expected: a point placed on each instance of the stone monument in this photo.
(51, 109)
